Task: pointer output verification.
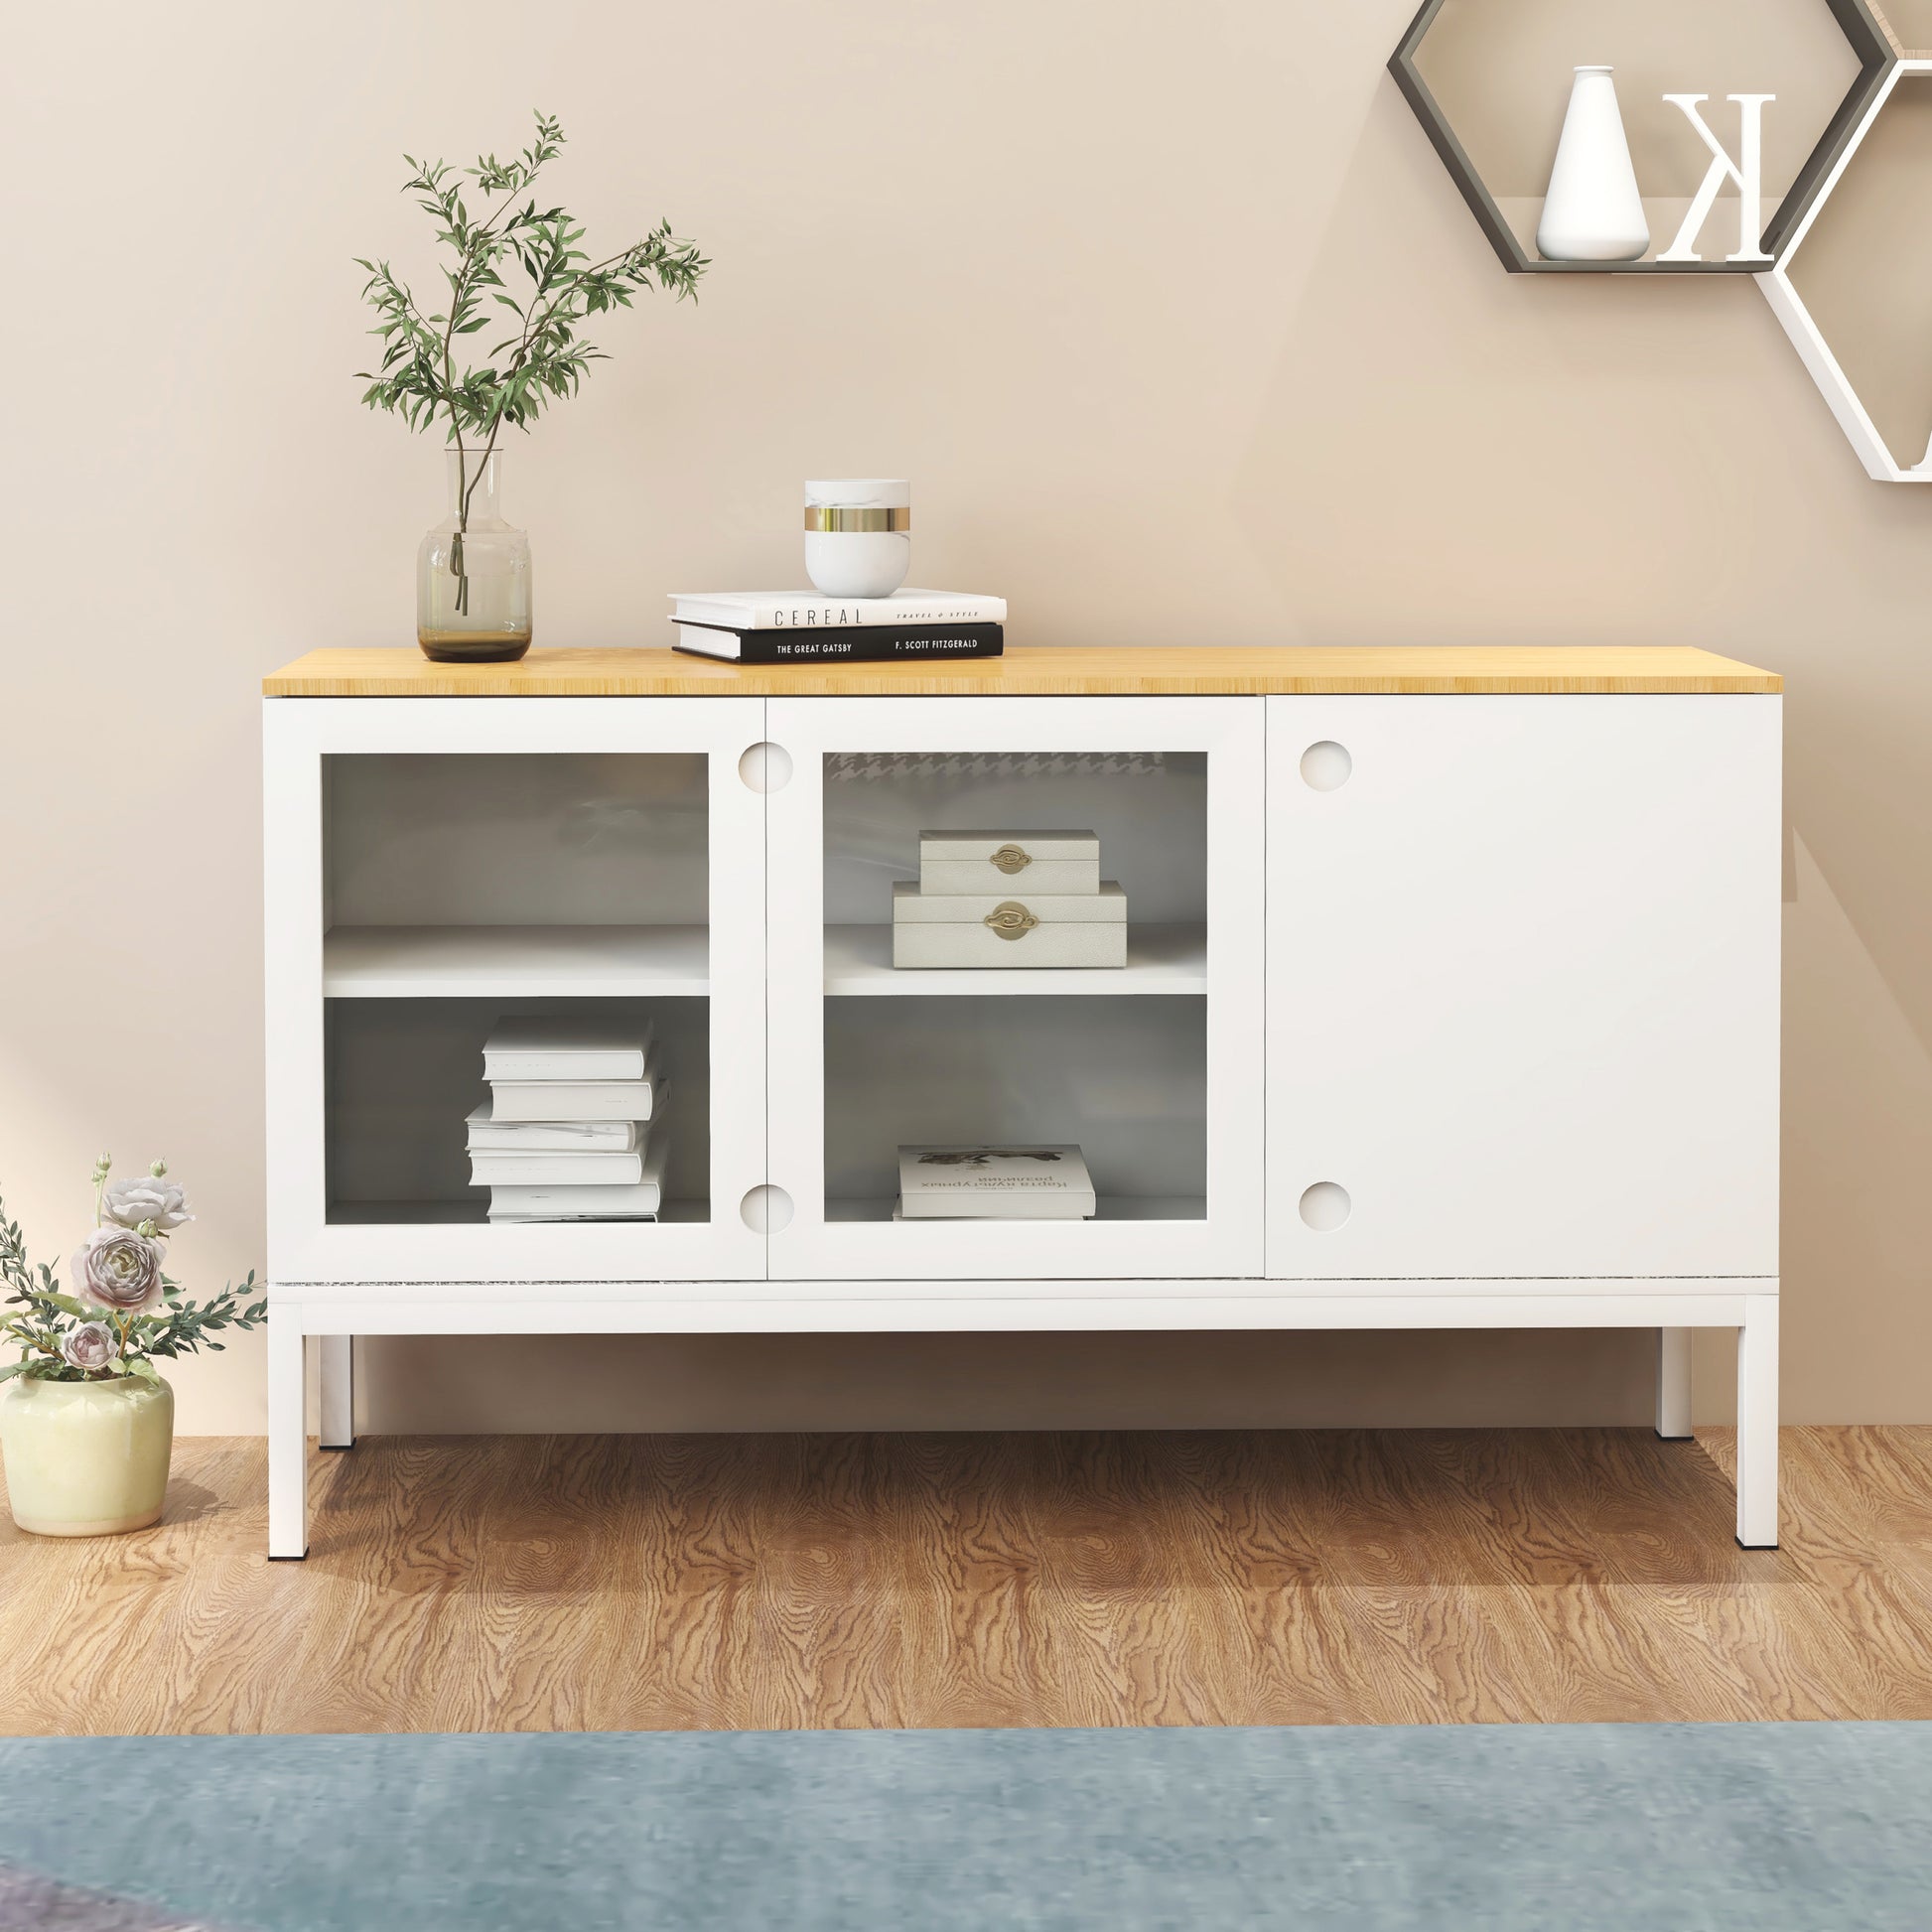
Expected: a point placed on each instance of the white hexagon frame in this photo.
(1806, 336)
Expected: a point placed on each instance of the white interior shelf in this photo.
(523, 962)
(1108, 1207)
(475, 1211)
(1160, 959)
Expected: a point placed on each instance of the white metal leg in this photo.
(288, 1476)
(336, 1374)
(1674, 1383)
(1757, 1424)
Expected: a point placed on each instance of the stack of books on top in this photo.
(799, 628)
(1015, 1182)
(574, 1126)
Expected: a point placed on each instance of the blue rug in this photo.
(1496, 1829)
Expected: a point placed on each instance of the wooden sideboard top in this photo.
(1177, 671)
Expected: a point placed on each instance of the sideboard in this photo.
(1452, 998)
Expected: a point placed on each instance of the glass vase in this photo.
(472, 571)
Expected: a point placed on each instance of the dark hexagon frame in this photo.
(1873, 45)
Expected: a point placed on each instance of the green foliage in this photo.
(41, 1318)
(552, 289)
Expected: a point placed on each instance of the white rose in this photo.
(128, 1203)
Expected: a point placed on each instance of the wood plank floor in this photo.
(763, 1582)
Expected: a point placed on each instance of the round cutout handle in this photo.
(766, 766)
(1326, 1206)
(766, 1209)
(1325, 766)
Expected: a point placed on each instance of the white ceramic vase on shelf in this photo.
(1593, 212)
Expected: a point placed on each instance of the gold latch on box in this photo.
(1010, 919)
(1013, 858)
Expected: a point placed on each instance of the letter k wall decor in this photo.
(1721, 109)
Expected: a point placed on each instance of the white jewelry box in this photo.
(1008, 929)
(982, 862)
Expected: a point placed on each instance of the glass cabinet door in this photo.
(972, 1078)
(442, 869)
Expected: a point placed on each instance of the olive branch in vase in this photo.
(554, 287)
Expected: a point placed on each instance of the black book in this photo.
(864, 643)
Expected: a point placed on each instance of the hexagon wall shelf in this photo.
(1881, 333)
(1872, 45)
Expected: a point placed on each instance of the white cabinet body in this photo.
(1440, 1010)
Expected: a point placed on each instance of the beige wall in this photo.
(1184, 333)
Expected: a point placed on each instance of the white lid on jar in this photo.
(860, 493)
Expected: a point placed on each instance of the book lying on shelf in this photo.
(1014, 1182)
(541, 1169)
(863, 644)
(581, 1101)
(566, 1047)
(641, 1201)
(806, 611)
(487, 1134)
(508, 1219)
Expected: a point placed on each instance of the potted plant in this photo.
(519, 267)
(86, 1424)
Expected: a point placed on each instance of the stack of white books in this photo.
(1016, 1181)
(574, 1126)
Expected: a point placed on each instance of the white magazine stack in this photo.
(574, 1126)
(1005, 900)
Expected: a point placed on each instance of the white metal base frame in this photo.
(1757, 1424)
(287, 1434)
(1674, 1383)
(333, 1314)
(336, 1377)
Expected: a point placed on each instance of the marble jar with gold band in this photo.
(859, 535)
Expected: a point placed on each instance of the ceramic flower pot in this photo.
(86, 1458)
